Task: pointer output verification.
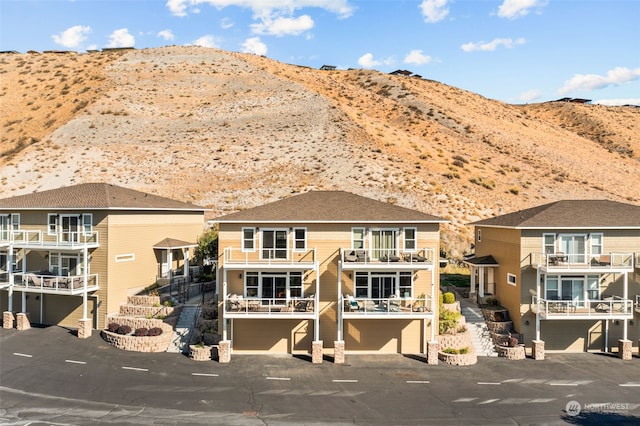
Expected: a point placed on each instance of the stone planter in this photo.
(200, 353)
(511, 352)
(469, 358)
(453, 307)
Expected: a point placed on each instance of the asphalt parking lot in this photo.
(48, 375)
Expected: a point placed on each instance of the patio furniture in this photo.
(351, 257)
(352, 304)
(362, 256)
(604, 260)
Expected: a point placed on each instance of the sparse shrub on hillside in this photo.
(514, 190)
(485, 183)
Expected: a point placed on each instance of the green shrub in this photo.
(448, 298)
(448, 321)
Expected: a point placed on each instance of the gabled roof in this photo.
(94, 196)
(482, 261)
(570, 214)
(329, 206)
(172, 243)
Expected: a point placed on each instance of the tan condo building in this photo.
(328, 272)
(72, 255)
(568, 272)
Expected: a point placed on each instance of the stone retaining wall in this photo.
(146, 311)
(135, 323)
(502, 327)
(141, 343)
(143, 300)
(457, 341)
(516, 352)
(459, 359)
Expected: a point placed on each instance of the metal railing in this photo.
(609, 307)
(237, 256)
(37, 238)
(294, 306)
(387, 256)
(33, 281)
(583, 261)
(386, 306)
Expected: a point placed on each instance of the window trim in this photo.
(478, 235)
(601, 245)
(364, 238)
(414, 239)
(512, 279)
(244, 240)
(295, 240)
(127, 257)
(274, 248)
(52, 226)
(544, 242)
(87, 230)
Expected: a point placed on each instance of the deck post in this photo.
(340, 302)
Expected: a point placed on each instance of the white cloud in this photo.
(264, 8)
(367, 61)
(226, 23)
(513, 9)
(492, 45)
(434, 10)
(166, 34)
(283, 26)
(206, 41)
(617, 102)
(254, 45)
(530, 95)
(72, 37)
(417, 57)
(121, 38)
(586, 82)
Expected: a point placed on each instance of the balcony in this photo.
(237, 306)
(607, 308)
(384, 259)
(55, 284)
(285, 259)
(559, 262)
(638, 303)
(23, 238)
(385, 308)
(4, 279)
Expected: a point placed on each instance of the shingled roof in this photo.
(94, 196)
(570, 214)
(328, 206)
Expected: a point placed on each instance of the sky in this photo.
(515, 51)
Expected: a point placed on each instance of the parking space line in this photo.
(279, 378)
(488, 401)
(488, 383)
(70, 361)
(24, 355)
(629, 384)
(418, 381)
(345, 381)
(135, 369)
(205, 374)
(562, 384)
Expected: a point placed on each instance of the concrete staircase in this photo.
(480, 336)
(182, 333)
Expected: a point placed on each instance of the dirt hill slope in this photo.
(231, 131)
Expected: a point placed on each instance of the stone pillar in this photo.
(224, 351)
(84, 328)
(432, 352)
(316, 352)
(22, 321)
(7, 319)
(537, 349)
(338, 352)
(624, 349)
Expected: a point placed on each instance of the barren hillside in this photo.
(230, 131)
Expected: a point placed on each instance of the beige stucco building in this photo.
(329, 270)
(72, 255)
(568, 272)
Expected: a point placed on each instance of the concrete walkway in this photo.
(480, 336)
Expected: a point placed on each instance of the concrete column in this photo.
(432, 352)
(338, 354)
(224, 351)
(537, 349)
(316, 352)
(22, 321)
(84, 328)
(624, 349)
(7, 319)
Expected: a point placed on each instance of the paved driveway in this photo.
(48, 375)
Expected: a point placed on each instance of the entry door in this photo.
(383, 243)
(382, 286)
(69, 229)
(164, 264)
(274, 287)
(69, 266)
(574, 247)
(274, 244)
(573, 289)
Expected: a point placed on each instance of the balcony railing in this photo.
(392, 257)
(391, 306)
(608, 307)
(237, 305)
(291, 257)
(54, 283)
(36, 238)
(562, 261)
(637, 302)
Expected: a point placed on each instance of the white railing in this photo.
(36, 238)
(420, 257)
(34, 281)
(638, 302)
(609, 307)
(583, 261)
(294, 306)
(259, 256)
(392, 306)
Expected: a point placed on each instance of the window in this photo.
(274, 244)
(125, 257)
(596, 244)
(8, 262)
(248, 239)
(273, 285)
(362, 285)
(251, 284)
(479, 235)
(87, 224)
(549, 245)
(52, 220)
(378, 285)
(410, 240)
(15, 221)
(66, 265)
(406, 284)
(295, 284)
(357, 238)
(593, 287)
(511, 279)
(551, 290)
(299, 239)
(573, 245)
(383, 243)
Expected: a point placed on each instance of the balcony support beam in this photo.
(341, 306)
(538, 302)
